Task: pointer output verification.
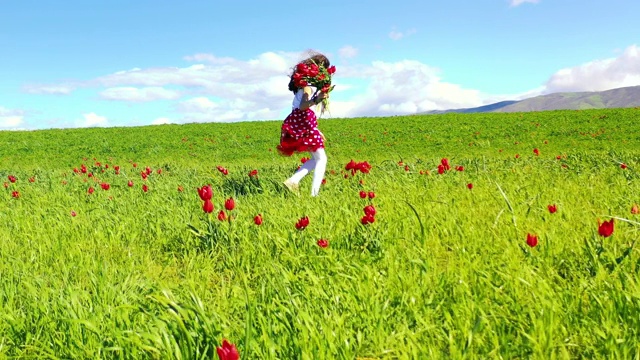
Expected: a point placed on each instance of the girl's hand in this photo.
(322, 95)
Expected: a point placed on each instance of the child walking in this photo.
(300, 131)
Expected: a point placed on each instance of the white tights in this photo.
(317, 163)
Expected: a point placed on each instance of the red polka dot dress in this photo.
(299, 131)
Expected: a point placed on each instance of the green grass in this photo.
(444, 272)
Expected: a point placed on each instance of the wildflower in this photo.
(536, 151)
(12, 178)
(145, 188)
(552, 208)
(91, 190)
(605, 229)
(623, 166)
(258, 219)
(73, 213)
(363, 194)
(207, 206)
(323, 243)
(228, 351)
(470, 186)
(302, 223)
(371, 195)
(445, 164)
(222, 216)
(130, 183)
(253, 173)
(635, 210)
(105, 186)
(15, 194)
(440, 169)
(460, 168)
(205, 192)
(370, 210)
(532, 240)
(367, 219)
(229, 204)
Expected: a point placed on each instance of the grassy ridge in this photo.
(126, 278)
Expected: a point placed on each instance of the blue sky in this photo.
(129, 63)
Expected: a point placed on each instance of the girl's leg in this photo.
(303, 171)
(320, 160)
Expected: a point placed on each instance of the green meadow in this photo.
(444, 271)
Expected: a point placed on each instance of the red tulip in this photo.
(205, 192)
(370, 210)
(623, 166)
(324, 181)
(323, 243)
(445, 164)
(130, 183)
(222, 216)
(606, 228)
(207, 206)
(635, 210)
(91, 190)
(470, 186)
(532, 240)
(148, 170)
(350, 165)
(258, 219)
(12, 178)
(180, 188)
(73, 213)
(6, 185)
(145, 188)
(371, 195)
(159, 171)
(32, 179)
(144, 175)
(230, 204)
(135, 165)
(363, 194)
(105, 186)
(517, 156)
(552, 208)
(302, 223)
(331, 69)
(83, 169)
(15, 194)
(440, 169)
(558, 157)
(227, 351)
(460, 168)
(253, 173)
(116, 168)
(536, 151)
(367, 219)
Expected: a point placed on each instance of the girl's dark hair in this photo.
(317, 58)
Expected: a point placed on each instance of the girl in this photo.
(300, 131)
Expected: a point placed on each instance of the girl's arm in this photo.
(308, 101)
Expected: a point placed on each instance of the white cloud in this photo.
(139, 94)
(599, 75)
(61, 89)
(515, 3)
(348, 52)
(397, 35)
(10, 118)
(92, 120)
(161, 121)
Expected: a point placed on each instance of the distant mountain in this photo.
(615, 98)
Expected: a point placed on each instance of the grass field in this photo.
(444, 271)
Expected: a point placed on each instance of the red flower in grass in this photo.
(159, 171)
(228, 351)
(205, 192)
(407, 168)
(635, 210)
(257, 219)
(207, 206)
(6, 185)
(229, 204)
(532, 240)
(470, 186)
(323, 243)
(460, 168)
(145, 188)
(180, 189)
(91, 190)
(148, 170)
(517, 156)
(144, 175)
(371, 195)
(305, 159)
(105, 186)
(130, 183)
(223, 170)
(32, 179)
(302, 223)
(73, 213)
(367, 219)
(552, 208)
(15, 194)
(363, 194)
(253, 173)
(623, 166)
(605, 229)
(12, 178)
(440, 169)
(445, 164)
(370, 210)
(222, 216)
(536, 151)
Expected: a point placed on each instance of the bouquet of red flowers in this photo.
(316, 76)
